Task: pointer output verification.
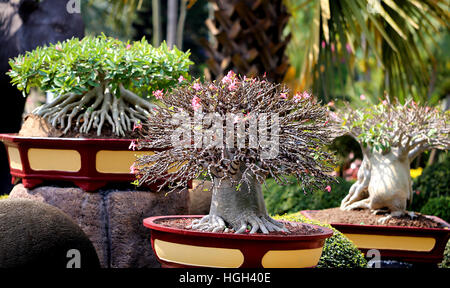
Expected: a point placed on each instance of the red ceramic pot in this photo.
(175, 247)
(88, 163)
(408, 244)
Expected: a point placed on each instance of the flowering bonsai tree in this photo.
(391, 135)
(236, 132)
(95, 80)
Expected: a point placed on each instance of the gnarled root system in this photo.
(95, 108)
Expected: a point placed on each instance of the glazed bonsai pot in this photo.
(175, 247)
(88, 163)
(406, 244)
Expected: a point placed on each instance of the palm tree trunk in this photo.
(172, 12)
(156, 23)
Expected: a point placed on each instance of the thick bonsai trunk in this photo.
(239, 208)
(384, 184)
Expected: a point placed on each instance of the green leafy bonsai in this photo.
(391, 135)
(97, 81)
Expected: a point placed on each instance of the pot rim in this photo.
(338, 225)
(150, 223)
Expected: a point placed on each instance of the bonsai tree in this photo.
(95, 80)
(391, 135)
(236, 131)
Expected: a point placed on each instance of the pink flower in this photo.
(212, 87)
(197, 86)
(297, 97)
(128, 46)
(181, 79)
(229, 78)
(232, 86)
(384, 102)
(330, 104)
(332, 47)
(57, 47)
(328, 188)
(283, 95)
(196, 103)
(158, 94)
(133, 169)
(323, 44)
(132, 145)
(349, 48)
(137, 125)
(325, 124)
(306, 95)
(362, 97)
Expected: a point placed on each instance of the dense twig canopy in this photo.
(410, 127)
(297, 127)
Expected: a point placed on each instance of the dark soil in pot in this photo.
(294, 228)
(365, 217)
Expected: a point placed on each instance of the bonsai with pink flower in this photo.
(391, 135)
(236, 131)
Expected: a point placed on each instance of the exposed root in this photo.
(383, 220)
(93, 109)
(213, 223)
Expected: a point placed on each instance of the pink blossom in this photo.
(229, 78)
(330, 104)
(196, 103)
(133, 169)
(349, 48)
(328, 188)
(323, 44)
(325, 124)
(128, 46)
(306, 95)
(232, 86)
(283, 95)
(297, 97)
(197, 86)
(181, 79)
(362, 97)
(158, 94)
(57, 47)
(384, 102)
(132, 145)
(212, 87)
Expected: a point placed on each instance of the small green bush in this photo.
(438, 206)
(338, 251)
(434, 182)
(446, 261)
(291, 199)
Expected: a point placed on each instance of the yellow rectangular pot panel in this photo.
(198, 255)
(110, 161)
(54, 160)
(14, 158)
(392, 242)
(291, 258)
